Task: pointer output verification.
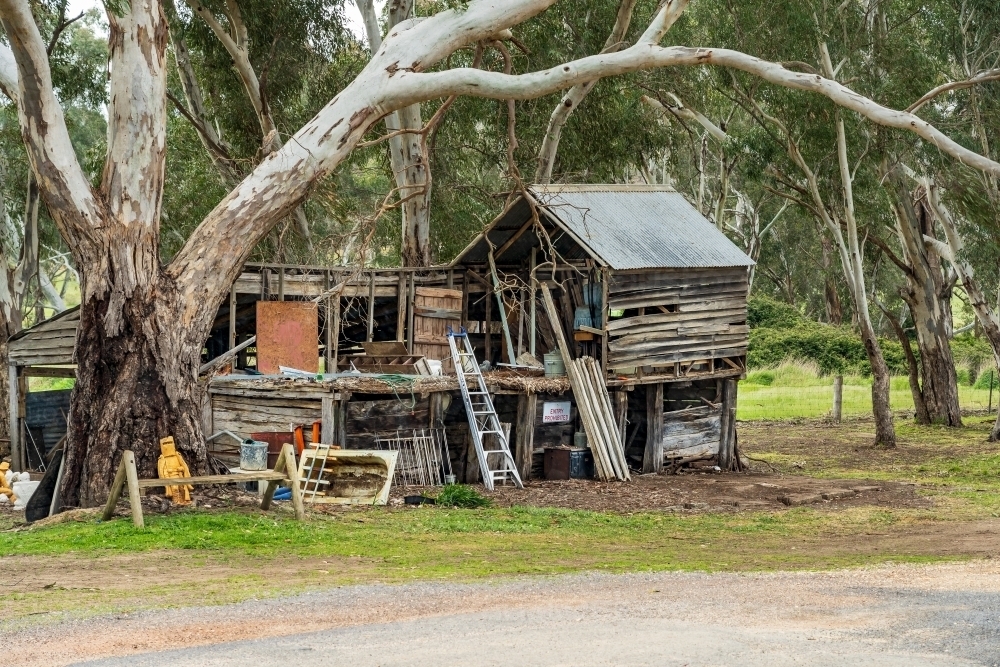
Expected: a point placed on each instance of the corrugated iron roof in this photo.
(623, 226)
(639, 227)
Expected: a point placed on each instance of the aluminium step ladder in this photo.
(496, 465)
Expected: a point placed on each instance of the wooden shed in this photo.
(641, 281)
(644, 283)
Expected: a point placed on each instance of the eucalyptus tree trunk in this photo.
(15, 283)
(831, 295)
(928, 294)
(953, 251)
(410, 166)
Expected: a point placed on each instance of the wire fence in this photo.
(763, 398)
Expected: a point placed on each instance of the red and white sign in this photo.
(556, 413)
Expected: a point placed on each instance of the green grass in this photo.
(795, 390)
(203, 558)
(217, 556)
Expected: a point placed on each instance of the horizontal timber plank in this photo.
(42, 359)
(720, 326)
(671, 340)
(620, 278)
(627, 360)
(279, 394)
(665, 298)
(688, 288)
(734, 314)
(262, 476)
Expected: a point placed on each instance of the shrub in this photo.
(779, 333)
(987, 378)
(763, 378)
(765, 312)
(460, 495)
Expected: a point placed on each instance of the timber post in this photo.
(838, 398)
(652, 459)
(14, 415)
(524, 446)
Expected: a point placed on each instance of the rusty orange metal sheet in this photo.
(287, 335)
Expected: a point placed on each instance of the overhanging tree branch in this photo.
(980, 78)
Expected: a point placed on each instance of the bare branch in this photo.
(195, 110)
(663, 21)
(687, 113)
(980, 78)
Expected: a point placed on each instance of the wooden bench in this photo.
(285, 470)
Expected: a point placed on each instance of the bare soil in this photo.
(708, 492)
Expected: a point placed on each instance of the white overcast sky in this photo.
(350, 9)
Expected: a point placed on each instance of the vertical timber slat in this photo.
(534, 287)
(652, 460)
(401, 307)
(14, 389)
(409, 325)
(232, 318)
(335, 334)
(371, 307)
(524, 447)
(329, 421)
(727, 436)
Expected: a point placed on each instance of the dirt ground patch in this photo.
(707, 492)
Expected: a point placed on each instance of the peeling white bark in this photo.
(410, 167)
(8, 73)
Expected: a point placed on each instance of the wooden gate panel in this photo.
(434, 310)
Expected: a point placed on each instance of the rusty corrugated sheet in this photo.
(287, 335)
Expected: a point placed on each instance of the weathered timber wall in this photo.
(677, 315)
(50, 342)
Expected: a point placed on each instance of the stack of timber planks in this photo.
(594, 405)
(684, 315)
(592, 402)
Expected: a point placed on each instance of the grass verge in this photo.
(217, 556)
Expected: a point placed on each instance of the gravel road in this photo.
(911, 616)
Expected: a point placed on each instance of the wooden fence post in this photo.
(838, 398)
